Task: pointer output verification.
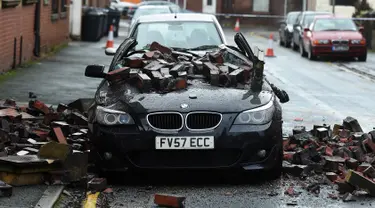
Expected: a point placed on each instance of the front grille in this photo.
(165, 121)
(202, 121)
(184, 158)
(341, 42)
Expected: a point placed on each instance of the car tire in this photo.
(302, 49)
(281, 42)
(362, 58)
(287, 44)
(310, 55)
(294, 46)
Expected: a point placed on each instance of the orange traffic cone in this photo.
(269, 52)
(110, 38)
(237, 26)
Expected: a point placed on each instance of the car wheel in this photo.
(287, 44)
(294, 46)
(281, 42)
(310, 55)
(363, 58)
(302, 49)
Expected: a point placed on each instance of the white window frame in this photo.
(261, 5)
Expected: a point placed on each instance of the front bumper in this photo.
(237, 147)
(353, 51)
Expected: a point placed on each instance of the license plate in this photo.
(340, 48)
(196, 142)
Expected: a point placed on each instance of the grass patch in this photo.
(55, 49)
(7, 75)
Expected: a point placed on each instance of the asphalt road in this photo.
(320, 92)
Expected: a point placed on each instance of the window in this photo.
(261, 5)
(228, 4)
(55, 6)
(292, 18)
(209, 2)
(177, 34)
(63, 5)
(334, 25)
(298, 21)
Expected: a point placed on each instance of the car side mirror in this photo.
(361, 29)
(110, 51)
(95, 71)
(306, 29)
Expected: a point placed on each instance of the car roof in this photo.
(180, 17)
(153, 6)
(316, 12)
(155, 2)
(294, 12)
(327, 17)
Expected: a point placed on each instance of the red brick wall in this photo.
(14, 23)
(195, 5)
(53, 32)
(19, 21)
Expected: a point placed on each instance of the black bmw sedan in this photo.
(197, 125)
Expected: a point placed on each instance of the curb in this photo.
(50, 197)
(371, 76)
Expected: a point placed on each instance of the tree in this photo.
(361, 6)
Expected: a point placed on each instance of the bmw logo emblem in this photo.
(184, 105)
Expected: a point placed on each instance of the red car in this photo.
(333, 36)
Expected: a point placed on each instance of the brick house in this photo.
(19, 29)
(263, 7)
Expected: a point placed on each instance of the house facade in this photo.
(30, 28)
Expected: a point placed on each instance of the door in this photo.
(296, 29)
(209, 6)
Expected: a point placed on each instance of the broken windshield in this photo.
(178, 34)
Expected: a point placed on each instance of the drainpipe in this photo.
(185, 4)
(37, 29)
(285, 7)
(333, 6)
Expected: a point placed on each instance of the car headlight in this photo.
(358, 42)
(317, 42)
(112, 117)
(257, 116)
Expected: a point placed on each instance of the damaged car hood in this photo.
(197, 98)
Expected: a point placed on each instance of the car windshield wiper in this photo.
(184, 50)
(203, 47)
(330, 30)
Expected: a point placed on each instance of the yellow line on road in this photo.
(91, 200)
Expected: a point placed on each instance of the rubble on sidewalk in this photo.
(344, 155)
(41, 144)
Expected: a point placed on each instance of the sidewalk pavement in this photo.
(57, 78)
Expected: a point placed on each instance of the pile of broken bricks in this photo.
(41, 144)
(162, 69)
(344, 154)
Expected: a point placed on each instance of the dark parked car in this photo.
(203, 126)
(286, 29)
(304, 20)
(330, 36)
